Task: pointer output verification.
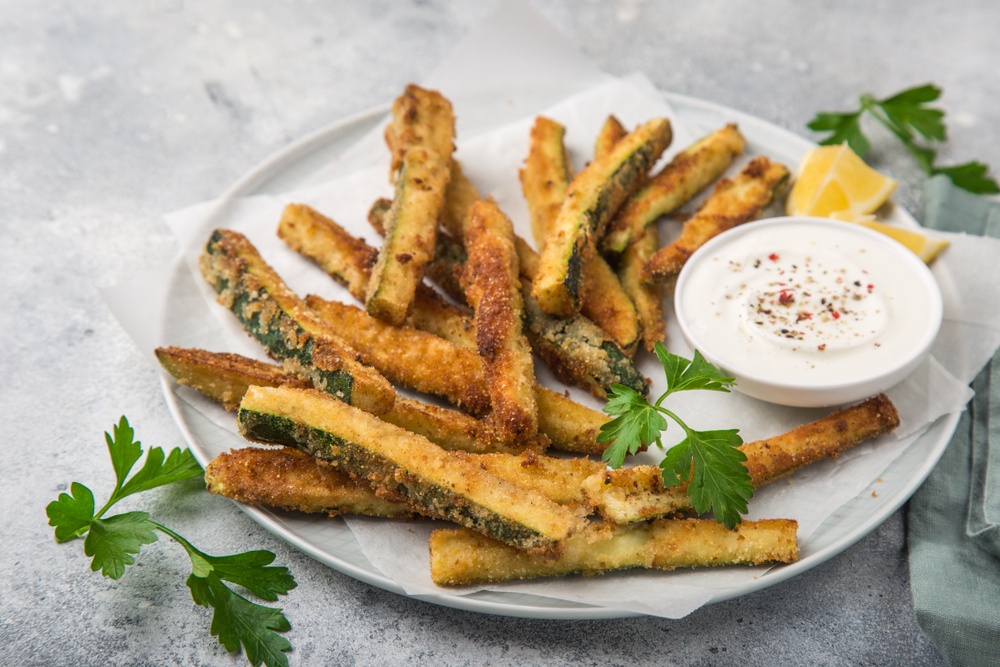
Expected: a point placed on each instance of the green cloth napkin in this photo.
(954, 518)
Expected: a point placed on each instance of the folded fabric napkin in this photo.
(954, 518)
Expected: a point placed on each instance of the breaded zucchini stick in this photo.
(569, 425)
(579, 352)
(421, 140)
(409, 357)
(276, 317)
(635, 494)
(348, 260)
(406, 467)
(222, 376)
(592, 199)
(606, 303)
(420, 117)
(411, 231)
(463, 557)
(545, 176)
(492, 284)
(688, 173)
(225, 378)
(611, 132)
(289, 479)
(646, 299)
(733, 202)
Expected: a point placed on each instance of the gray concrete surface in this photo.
(112, 114)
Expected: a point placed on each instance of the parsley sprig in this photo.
(114, 541)
(707, 461)
(907, 116)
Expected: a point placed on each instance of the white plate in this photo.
(331, 542)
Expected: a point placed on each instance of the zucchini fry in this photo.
(635, 494)
(578, 351)
(421, 140)
(545, 176)
(222, 376)
(648, 299)
(733, 202)
(493, 287)
(570, 426)
(348, 260)
(225, 379)
(277, 318)
(460, 195)
(408, 357)
(411, 231)
(606, 303)
(688, 173)
(289, 479)
(461, 557)
(545, 180)
(592, 199)
(611, 132)
(420, 117)
(405, 467)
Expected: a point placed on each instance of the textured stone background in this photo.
(112, 114)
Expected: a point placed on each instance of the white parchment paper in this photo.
(532, 70)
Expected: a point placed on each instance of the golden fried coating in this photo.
(733, 202)
(289, 479)
(462, 557)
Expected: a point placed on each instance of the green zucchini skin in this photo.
(274, 316)
(411, 231)
(579, 352)
(394, 461)
(591, 201)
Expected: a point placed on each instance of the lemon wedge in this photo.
(833, 182)
(925, 247)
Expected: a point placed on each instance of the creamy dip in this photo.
(806, 302)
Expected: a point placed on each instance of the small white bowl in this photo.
(808, 312)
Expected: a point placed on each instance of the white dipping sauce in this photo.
(808, 303)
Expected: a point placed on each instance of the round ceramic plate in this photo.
(330, 540)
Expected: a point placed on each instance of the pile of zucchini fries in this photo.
(347, 442)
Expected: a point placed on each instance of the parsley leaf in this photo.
(907, 116)
(684, 375)
(238, 622)
(71, 514)
(637, 424)
(712, 466)
(114, 541)
(707, 461)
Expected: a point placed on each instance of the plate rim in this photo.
(314, 141)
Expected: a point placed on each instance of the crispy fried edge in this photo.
(420, 117)
(406, 467)
(221, 376)
(733, 202)
(688, 173)
(591, 201)
(492, 284)
(411, 233)
(266, 307)
(289, 479)
(460, 557)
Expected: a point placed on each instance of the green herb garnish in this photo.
(113, 541)
(908, 117)
(708, 461)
